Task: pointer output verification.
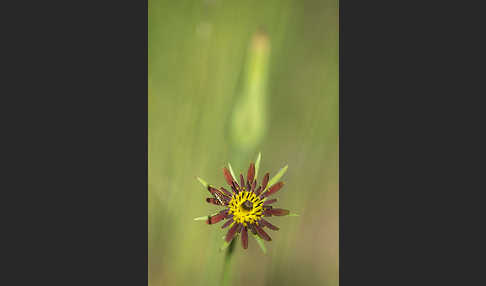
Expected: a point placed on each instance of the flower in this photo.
(245, 204)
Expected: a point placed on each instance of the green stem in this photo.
(227, 264)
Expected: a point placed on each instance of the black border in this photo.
(408, 128)
(77, 153)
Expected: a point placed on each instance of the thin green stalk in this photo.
(227, 264)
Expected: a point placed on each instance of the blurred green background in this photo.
(227, 79)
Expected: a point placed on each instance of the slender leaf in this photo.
(205, 217)
(260, 243)
(293, 214)
(203, 183)
(201, 218)
(277, 177)
(257, 164)
(232, 173)
(225, 245)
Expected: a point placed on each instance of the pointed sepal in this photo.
(277, 177)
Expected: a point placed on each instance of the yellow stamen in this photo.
(241, 214)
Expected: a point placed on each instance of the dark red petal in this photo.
(269, 225)
(278, 212)
(230, 221)
(235, 187)
(231, 233)
(266, 210)
(227, 176)
(273, 189)
(216, 218)
(252, 228)
(257, 192)
(228, 216)
(269, 202)
(213, 190)
(217, 193)
(253, 186)
(265, 181)
(226, 192)
(251, 173)
(225, 198)
(262, 233)
(244, 238)
(242, 181)
(213, 201)
(238, 229)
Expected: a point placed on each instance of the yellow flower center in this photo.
(246, 208)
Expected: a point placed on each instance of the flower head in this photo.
(246, 203)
